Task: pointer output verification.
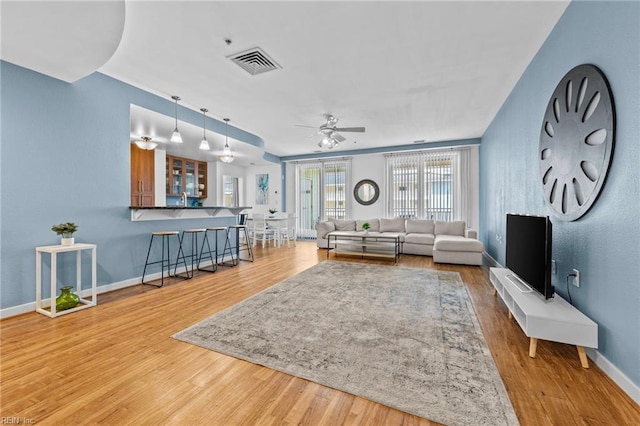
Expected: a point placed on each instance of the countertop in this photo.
(186, 208)
(181, 212)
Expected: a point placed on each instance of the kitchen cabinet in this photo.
(142, 177)
(186, 175)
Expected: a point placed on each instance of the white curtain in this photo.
(236, 192)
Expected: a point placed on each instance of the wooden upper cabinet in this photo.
(186, 175)
(142, 177)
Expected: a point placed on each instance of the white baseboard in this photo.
(615, 374)
(86, 292)
(492, 262)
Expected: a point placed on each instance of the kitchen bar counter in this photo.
(179, 212)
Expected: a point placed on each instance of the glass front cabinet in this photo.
(186, 175)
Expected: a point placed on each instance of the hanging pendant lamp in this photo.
(227, 156)
(146, 143)
(176, 137)
(204, 144)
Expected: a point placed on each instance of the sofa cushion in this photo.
(375, 225)
(450, 228)
(415, 238)
(421, 226)
(457, 243)
(345, 225)
(392, 225)
(323, 228)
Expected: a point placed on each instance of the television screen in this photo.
(529, 251)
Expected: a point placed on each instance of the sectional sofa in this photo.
(446, 242)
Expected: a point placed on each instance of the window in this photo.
(230, 191)
(427, 185)
(322, 190)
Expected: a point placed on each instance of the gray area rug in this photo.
(407, 338)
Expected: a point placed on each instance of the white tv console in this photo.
(553, 319)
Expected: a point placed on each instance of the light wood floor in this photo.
(117, 363)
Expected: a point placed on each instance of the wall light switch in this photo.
(576, 279)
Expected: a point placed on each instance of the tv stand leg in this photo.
(533, 345)
(583, 357)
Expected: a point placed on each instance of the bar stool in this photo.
(225, 251)
(245, 245)
(208, 252)
(194, 256)
(165, 238)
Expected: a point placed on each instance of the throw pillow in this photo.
(392, 225)
(450, 228)
(373, 223)
(420, 226)
(345, 225)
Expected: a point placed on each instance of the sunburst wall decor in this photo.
(576, 142)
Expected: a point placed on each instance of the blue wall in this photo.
(605, 243)
(65, 157)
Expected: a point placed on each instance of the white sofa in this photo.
(446, 242)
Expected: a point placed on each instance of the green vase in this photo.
(67, 299)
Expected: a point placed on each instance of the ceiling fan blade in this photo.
(349, 129)
(338, 137)
(302, 125)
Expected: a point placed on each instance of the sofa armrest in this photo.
(323, 228)
(471, 233)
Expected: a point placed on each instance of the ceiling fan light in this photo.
(176, 137)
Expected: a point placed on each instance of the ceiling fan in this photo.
(330, 134)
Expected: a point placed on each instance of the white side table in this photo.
(53, 251)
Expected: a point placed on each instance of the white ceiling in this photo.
(407, 71)
(159, 128)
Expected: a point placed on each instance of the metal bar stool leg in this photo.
(165, 261)
(247, 240)
(203, 253)
(228, 250)
(242, 246)
(184, 262)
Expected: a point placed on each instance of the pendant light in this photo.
(146, 143)
(204, 144)
(227, 156)
(175, 136)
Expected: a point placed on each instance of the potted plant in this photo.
(66, 230)
(366, 227)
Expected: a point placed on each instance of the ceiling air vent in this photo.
(254, 61)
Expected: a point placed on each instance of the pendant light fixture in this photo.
(146, 143)
(227, 156)
(204, 144)
(175, 136)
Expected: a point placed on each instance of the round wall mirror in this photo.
(366, 192)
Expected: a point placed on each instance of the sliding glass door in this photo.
(322, 189)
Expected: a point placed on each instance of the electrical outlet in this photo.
(576, 279)
(554, 267)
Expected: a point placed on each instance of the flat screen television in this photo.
(529, 251)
